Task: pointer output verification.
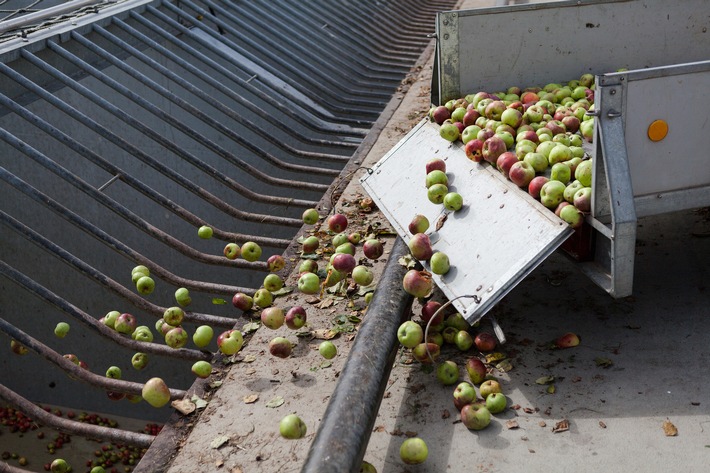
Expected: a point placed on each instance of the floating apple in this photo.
(337, 223)
(176, 337)
(475, 416)
(142, 334)
(309, 283)
(138, 272)
(420, 246)
(362, 275)
(182, 297)
(205, 232)
(308, 266)
(275, 263)
(113, 372)
(173, 316)
(419, 224)
(485, 342)
(110, 318)
(273, 317)
(344, 262)
(230, 342)
(373, 249)
(251, 251)
(263, 298)
(139, 361)
(202, 336)
(59, 465)
(310, 244)
(413, 451)
(125, 323)
(202, 369)
(61, 330)
(242, 301)
(145, 285)
(327, 349)
(280, 347)
(418, 283)
(295, 317)
(310, 216)
(354, 238)
(156, 392)
(232, 251)
(273, 282)
(292, 427)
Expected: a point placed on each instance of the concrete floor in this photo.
(654, 350)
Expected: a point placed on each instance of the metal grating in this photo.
(126, 125)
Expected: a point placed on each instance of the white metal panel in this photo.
(497, 239)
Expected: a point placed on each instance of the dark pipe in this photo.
(341, 440)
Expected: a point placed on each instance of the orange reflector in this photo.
(657, 130)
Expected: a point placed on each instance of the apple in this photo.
(354, 238)
(559, 153)
(142, 334)
(474, 150)
(339, 239)
(156, 392)
(488, 387)
(436, 193)
(61, 330)
(457, 114)
(464, 394)
(453, 201)
(449, 131)
(251, 251)
(176, 337)
(418, 283)
(476, 370)
(471, 131)
(232, 251)
(295, 317)
(310, 244)
(263, 298)
(410, 334)
(292, 427)
(113, 372)
(310, 216)
(202, 369)
(475, 416)
(507, 137)
(242, 301)
(435, 164)
(435, 338)
(568, 340)
(463, 340)
(449, 334)
(560, 172)
(362, 275)
(280, 347)
(551, 194)
(138, 272)
(273, 317)
(109, 319)
(366, 467)
(173, 316)
(559, 207)
(485, 342)
(372, 249)
(413, 451)
(583, 173)
(59, 465)
(492, 148)
(439, 262)
(428, 311)
(484, 134)
(570, 190)
(440, 114)
(125, 323)
(309, 283)
(337, 223)
(145, 285)
(308, 266)
(273, 282)
(230, 342)
(139, 361)
(447, 373)
(346, 247)
(436, 177)
(572, 216)
(426, 353)
(69, 356)
(275, 263)
(202, 336)
(512, 117)
(494, 110)
(419, 224)
(521, 173)
(182, 297)
(420, 246)
(505, 161)
(457, 321)
(536, 184)
(583, 199)
(545, 147)
(344, 262)
(533, 114)
(204, 232)
(587, 128)
(327, 350)
(496, 403)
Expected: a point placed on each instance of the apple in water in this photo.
(464, 394)
(295, 317)
(251, 251)
(232, 251)
(310, 216)
(476, 370)
(263, 298)
(475, 416)
(182, 297)
(276, 263)
(61, 330)
(242, 301)
(485, 342)
(139, 361)
(521, 173)
(292, 427)
(173, 316)
(583, 199)
(309, 283)
(418, 283)
(337, 223)
(230, 342)
(413, 451)
(488, 387)
(419, 224)
(205, 232)
(362, 275)
(273, 317)
(202, 336)
(453, 201)
(536, 184)
(273, 282)
(447, 373)
(344, 262)
(373, 249)
(552, 193)
(280, 347)
(435, 164)
(156, 392)
(327, 349)
(420, 246)
(202, 369)
(410, 334)
(496, 403)
(145, 285)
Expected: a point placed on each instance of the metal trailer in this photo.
(662, 51)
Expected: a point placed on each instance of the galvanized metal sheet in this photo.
(498, 237)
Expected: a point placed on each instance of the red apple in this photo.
(474, 150)
(521, 173)
(535, 185)
(505, 161)
(485, 342)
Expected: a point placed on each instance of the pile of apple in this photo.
(534, 136)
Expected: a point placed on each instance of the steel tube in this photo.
(38, 16)
(341, 440)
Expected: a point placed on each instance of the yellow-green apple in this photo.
(273, 317)
(308, 266)
(362, 275)
(232, 251)
(113, 372)
(464, 394)
(488, 387)
(449, 131)
(182, 297)
(61, 330)
(439, 263)
(230, 342)
(572, 216)
(453, 201)
(176, 337)
(475, 416)
(521, 173)
(202, 369)
(560, 172)
(447, 373)
(204, 232)
(173, 316)
(310, 216)
(273, 282)
(292, 427)
(470, 132)
(156, 392)
(571, 189)
(436, 177)
(125, 323)
(202, 336)
(436, 193)
(583, 173)
(413, 451)
(251, 251)
(419, 224)
(551, 194)
(309, 283)
(538, 161)
(496, 403)
(145, 285)
(139, 361)
(327, 349)
(410, 334)
(263, 298)
(463, 340)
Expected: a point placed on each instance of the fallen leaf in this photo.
(282, 291)
(219, 441)
(408, 261)
(410, 434)
(199, 403)
(250, 327)
(528, 410)
(669, 429)
(493, 357)
(250, 399)
(603, 362)
(184, 406)
(445, 414)
(275, 402)
(219, 463)
(324, 334)
(561, 426)
(512, 424)
(215, 384)
(218, 301)
(250, 371)
(504, 366)
(326, 364)
(542, 423)
(325, 303)
(551, 389)
(545, 380)
(379, 428)
(249, 359)
(602, 425)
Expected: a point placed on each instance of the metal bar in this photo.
(119, 174)
(231, 113)
(344, 431)
(145, 80)
(70, 426)
(105, 281)
(144, 157)
(32, 18)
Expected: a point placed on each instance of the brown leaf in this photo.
(440, 222)
(512, 424)
(669, 429)
(250, 399)
(397, 432)
(561, 426)
(379, 428)
(542, 423)
(602, 425)
(410, 434)
(528, 410)
(445, 414)
(184, 406)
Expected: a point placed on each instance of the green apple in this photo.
(496, 402)
(230, 342)
(327, 350)
(489, 387)
(475, 416)
(447, 373)
(205, 232)
(145, 285)
(59, 465)
(292, 427)
(560, 172)
(232, 251)
(273, 282)
(173, 316)
(182, 297)
(413, 451)
(464, 394)
(138, 272)
(436, 176)
(273, 317)
(583, 173)
(310, 216)
(156, 392)
(109, 319)
(113, 372)
(463, 340)
(439, 262)
(202, 369)
(139, 361)
(552, 193)
(309, 283)
(61, 330)
(436, 193)
(202, 336)
(453, 201)
(251, 251)
(362, 275)
(263, 298)
(410, 334)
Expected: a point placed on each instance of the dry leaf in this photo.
(219, 441)
(249, 359)
(250, 399)
(324, 334)
(603, 362)
(528, 410)
(542, 423)
(379, 428)
(184, 406)
(545, 380)
(445, 414)
(219, 463)
(512, 424)
(551, 389)
(561, 426)
(602, 425)
(504, 366)
(493, 357)
(669, 429)
(275, 402)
